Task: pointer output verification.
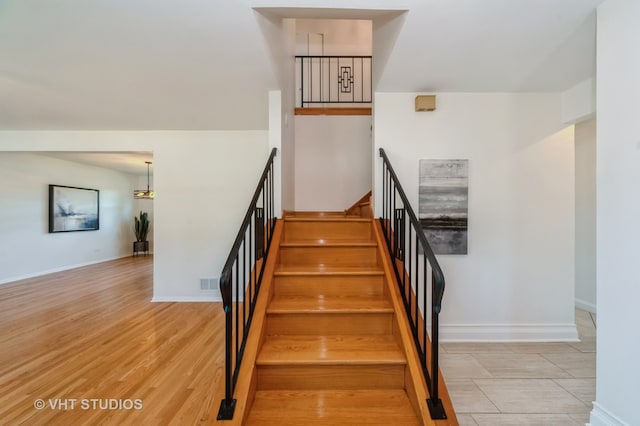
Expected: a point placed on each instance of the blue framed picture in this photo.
(73, 209)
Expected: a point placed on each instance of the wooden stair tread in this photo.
(335, 304)
(313, 214)
(329, 244)
(315, 270)
(350, 219)
(332, 407)
(330, 350)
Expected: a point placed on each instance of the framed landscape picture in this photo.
(73, 209)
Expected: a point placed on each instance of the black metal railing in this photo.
(241, 277)
(333, 80)
(415, 267)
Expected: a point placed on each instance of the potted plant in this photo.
(141, 228)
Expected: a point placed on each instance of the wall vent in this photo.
(207, 284)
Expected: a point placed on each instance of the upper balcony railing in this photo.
(332, 80)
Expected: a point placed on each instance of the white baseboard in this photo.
(213, 297)
(602, 417)
(508, 333)
(59, 269)
(586, 306)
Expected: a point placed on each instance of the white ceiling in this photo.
(204, 64)
(127, 162)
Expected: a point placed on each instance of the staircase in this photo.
(331, 351)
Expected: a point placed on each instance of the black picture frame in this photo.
(73, 209)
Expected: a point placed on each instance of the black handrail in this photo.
(412, 259)
(256, 233)
(334, 79)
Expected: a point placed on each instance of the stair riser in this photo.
(340, 285)
(328, 256)
(327, 230)
(316, 324)
(313, 377)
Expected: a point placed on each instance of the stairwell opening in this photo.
(333, 139)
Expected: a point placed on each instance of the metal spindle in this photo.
(412, 294)
(248, 282)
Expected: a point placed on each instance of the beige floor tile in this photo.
(476, 348)
(468, 398)
(530, 396)
(582, 418)
(577, 364)
(582, 314)
(583, 389)
(466, 420)
(524, 420)
(520, 366)
(586, 344)
(461, 366)
(586, 331)
(538, 348)
(585, 322)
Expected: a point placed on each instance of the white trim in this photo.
(586, 306)
(214, 297)
(600, 416)
(508, 333)
(59, 269)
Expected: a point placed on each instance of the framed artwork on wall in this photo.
(443, 204)
(73, 209)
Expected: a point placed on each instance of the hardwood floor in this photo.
(90, 344)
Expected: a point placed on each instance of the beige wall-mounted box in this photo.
(426, 103)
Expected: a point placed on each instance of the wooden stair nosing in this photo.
(331, 244)
(377, 407)
(328, 219)
(329, 305)
(329, 272)
(330, 350)
(309, 377)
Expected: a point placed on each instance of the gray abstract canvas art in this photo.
(443, 204)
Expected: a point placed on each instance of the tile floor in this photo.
(531, 384)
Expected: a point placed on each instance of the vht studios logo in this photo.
(88, 404)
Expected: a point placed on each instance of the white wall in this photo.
(618, 214)
(333, 161)
(203, 180)
(585, 137)
(279, 37)
(341, 36)
(517, 282)
(26, 247)
(579, 102)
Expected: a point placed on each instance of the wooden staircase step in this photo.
(328, 229)
(327, 270)
(334, 254)
(330, 376)
(357, 282)
(331, 350)
(332, 407)
(329, 304)
(314, 214)
(318, 323)
(304, 315)
(327, 218)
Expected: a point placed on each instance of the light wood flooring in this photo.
(92, 333)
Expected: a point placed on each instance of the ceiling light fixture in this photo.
(141, 194)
